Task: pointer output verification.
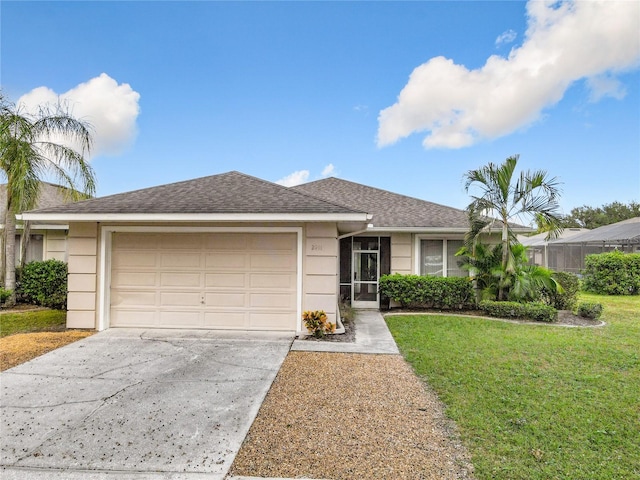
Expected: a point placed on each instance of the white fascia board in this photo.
(196, 217)
(41, 226)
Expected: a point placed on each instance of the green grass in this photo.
(536, 402)
(32, 321)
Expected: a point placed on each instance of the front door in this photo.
(366, 268)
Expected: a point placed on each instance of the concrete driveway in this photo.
(152, 404)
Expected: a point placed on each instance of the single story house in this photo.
(232, 251)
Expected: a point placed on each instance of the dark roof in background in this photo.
(625, 232)
(50, 196)
(388, 209)
(231, 192)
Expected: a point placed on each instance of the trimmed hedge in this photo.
(590, 310)
(529, 311)
(44, 283)
(567, 299)
(417, 291)
(612, 273)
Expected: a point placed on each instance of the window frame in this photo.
(445, 245)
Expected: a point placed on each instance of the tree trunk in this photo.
(505, 260)
(10, 254)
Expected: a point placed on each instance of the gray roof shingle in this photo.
(624, 232)
(231, 192)
(388, 209)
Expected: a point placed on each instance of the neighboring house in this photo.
(39, 241)
(232, 251)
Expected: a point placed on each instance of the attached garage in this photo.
(244, 281)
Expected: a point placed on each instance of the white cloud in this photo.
(605, 86)
(296, 178)
(110, 108)
(329, 170)
(302, 176)
(506, 37)
(564, 42)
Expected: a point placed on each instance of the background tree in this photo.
(590, 217)
(51, 144)
(504, 197)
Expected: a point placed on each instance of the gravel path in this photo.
(351, 416)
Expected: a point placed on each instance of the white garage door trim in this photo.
(105, 259)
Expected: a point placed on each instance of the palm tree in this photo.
(533, 195)
(28, 151)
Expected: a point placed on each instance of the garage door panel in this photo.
(204, 280)
(273, 242)
(272, 280)
(236, 261)
(132, 260)
(177, 279)
(225, 320)
(272, 262)
(269, 321)
(135, 241)
(180, 299)
(271, 300)
(180, 241)
(136, 298)
(225, 280)
(133, 318)
(226, 241)
(179, 319)
(225, 300)
(180, 260)
(133, 279)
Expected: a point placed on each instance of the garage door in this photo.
(197, 280)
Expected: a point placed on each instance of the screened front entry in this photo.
(362, 261)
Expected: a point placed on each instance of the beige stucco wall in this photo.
(82, 280)
(320, 269)
(55, 245)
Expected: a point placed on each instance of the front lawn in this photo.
(32, 321)
(536, 402)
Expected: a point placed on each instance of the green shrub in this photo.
(44, 283)
(566, 297)
(612, 273)
(590, 310)
(417, 291)
(4, 295)
(529, 311)
(317, 323)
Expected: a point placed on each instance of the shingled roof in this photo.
(227, 193)
(50, 195)
(389, 209)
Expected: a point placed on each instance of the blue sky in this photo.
(404, 96)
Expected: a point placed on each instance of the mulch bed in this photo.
(22, 347)
(351, 416)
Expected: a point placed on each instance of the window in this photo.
(33, 250)
(437, 257)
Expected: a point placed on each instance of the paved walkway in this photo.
(372, 336)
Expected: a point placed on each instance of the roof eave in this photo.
(194, 217)
(373, 228)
